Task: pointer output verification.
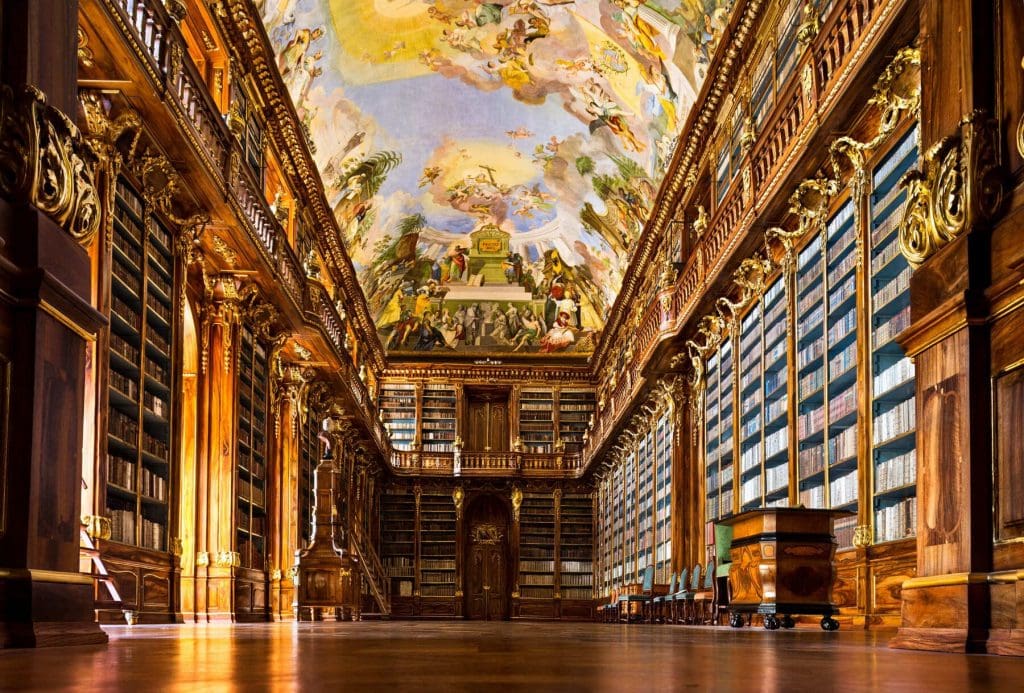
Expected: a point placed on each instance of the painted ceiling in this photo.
(491, 163)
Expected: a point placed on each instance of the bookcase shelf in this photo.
(575, 408)
(398, 540)
(398, 411)
(663, 441)
(438, 418)
(438, 540)
(576, 547)
(537, 546)
(718, 436)
(309, 458)
(251, 474)
(536, 421)
(139, 416)
(892, 373)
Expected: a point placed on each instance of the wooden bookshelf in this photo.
(893, 385)
(536, 420)
(398, 544)
(575, 554)
(718, 433)
(537, 546)
(137, 488)
(438, 419)
(251, 468)
(438, 541)
(398, 412)
(663, 441)
(645, 501)
(575, 407)
(309, 458)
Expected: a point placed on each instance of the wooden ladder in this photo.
(91, 562)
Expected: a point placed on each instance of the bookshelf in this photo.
(663, 497)
(309, 458)
(253, 385)
(629, 519)
(398, 540)
(618, 531)
(892, 372)
(437, 545)
(398, 411)
(718, 433)
(137, 487)
(536, 421)
(438, 418)
(575, 407)
(645, 502)
(576, 547)
(810, 372)
(537, 546)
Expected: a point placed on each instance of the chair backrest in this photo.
(648, 578)
(695, 581)
(723, 543)
(672, 584)
(682, 579)
(709, 576)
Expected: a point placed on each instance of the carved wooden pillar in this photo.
(284, 531)
(49, 209)
(946, 234)
(216, 558)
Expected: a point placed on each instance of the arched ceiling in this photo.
(491, 163)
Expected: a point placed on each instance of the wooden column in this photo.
(46, 324)
(284, 470)
(947, 234)
(216, 559)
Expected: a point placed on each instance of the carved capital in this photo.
(959, 185)
(47, 163)
(227, 559)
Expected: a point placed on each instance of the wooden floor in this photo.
(467, 656)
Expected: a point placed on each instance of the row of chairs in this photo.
(692, 599)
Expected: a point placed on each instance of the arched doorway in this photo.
(487, 559)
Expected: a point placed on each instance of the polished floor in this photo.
(464, 656)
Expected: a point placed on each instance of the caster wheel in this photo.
(771, 622)
(788, 622)
(736, 621)
(829, 623)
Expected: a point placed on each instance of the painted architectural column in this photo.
(284, 528)
(216, 559)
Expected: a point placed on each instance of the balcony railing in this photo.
(481, 464)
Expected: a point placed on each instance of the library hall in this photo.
(542, 344)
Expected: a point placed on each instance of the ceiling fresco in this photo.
(491, 163)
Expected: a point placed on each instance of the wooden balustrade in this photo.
(480, 464)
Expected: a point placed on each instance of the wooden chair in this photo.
(609, 610)
(684, 599)
(670, 598)
(723, 559)
(704, 600)
(659, 604)
(626, 601)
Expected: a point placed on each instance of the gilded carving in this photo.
(46, 162)
(85, 55)
(225, 251)
(958, 185)
(97, 526)
(710, 333)
(517, 502)
(750, 276)
(226, 559)
(203, 558)
(810, 24)
(458, 496)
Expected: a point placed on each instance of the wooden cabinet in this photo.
(783, 564)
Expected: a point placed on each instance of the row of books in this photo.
(128, 276)
(891, 290)
(122, 427)
(122, 347)
(124, 311)
(813, 497)
(576, 580)
(156, 405)
(842, 327)
(156, 371)
(843, 404)
(249, 523)
(847, 264)
(843, 489)
(125, 385)
(811, 460)
(811, 422)
(843, 445)
(121, 472)
(776, 442)
(895, 422)
(843, 361)
(888, 330)
(809, 353)
(896, 374)
(435, 577)
(159, 341)
(251, 492)
(810, 298)
(896, 521)
(812, 382)
(808, 323)
(750, 490)
(842, 292)
(776, 477)
(536, 579)
(896, 472)
(577, 593)
(159, 307)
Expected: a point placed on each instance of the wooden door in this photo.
(487, 562)
(488, 426)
